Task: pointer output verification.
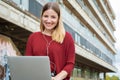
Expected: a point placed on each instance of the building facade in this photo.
(89, 21)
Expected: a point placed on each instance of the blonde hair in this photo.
(58, 33)
(7, 43)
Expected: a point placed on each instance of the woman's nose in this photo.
(49, 19)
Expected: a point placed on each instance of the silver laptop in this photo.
(29, 68)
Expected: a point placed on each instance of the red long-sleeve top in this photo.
(62, 56)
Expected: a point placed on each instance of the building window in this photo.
(35, 8)
(77, 39)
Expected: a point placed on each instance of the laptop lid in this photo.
(29, 68)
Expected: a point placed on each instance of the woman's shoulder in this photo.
(35, 34)
(68, 34)
(68, 38)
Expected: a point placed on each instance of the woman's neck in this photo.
(47, 32)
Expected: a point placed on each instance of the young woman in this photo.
(54, 42)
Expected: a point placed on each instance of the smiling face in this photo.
(51, 22)
(49, 19)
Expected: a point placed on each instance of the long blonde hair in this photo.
(58, 33)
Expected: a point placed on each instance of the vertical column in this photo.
(104, 75)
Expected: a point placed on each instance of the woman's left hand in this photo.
(54, 78)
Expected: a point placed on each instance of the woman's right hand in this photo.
(53, 78)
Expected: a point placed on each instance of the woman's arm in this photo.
(70, 59)
(28, 51)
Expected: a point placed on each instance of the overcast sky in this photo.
(116, 8)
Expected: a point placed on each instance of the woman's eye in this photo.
(53, 16)
(45, 16)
